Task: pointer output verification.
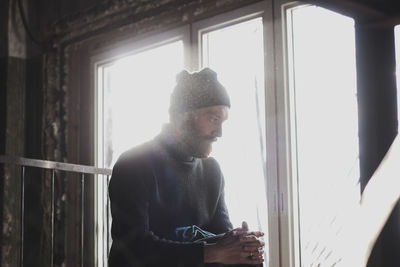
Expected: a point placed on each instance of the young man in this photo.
(167, 195)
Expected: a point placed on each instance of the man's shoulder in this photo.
(212, 170)
(137, 152)
(210, 162)
(132, 166)
(136, 156)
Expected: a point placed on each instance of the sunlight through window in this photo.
(236, 54)
(325, 126)
(137, 89)
(133, 99)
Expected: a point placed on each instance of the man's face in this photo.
(202, 127)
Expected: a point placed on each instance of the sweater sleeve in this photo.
(220, 222)
(132, 238)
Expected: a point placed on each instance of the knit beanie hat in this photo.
(197, 90)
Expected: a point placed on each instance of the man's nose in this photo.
(218, 131)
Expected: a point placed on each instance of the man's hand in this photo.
(244, 230)
(238, 246)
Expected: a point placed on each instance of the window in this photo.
(236, 53)
(134, 102)
(132, 106)
(324, 128)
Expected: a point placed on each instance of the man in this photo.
(167, 195)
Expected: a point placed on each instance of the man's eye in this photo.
(213, 119)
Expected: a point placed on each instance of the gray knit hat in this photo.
(197, 90)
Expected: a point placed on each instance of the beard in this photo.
(195, 144)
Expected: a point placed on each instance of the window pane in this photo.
(236, 54)
(137, 90)
(324, 126)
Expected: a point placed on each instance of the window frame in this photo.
(126, 48)
(104, 58)
(286, 131)
(264, 10)
(287, 188)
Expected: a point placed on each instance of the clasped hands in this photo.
(238, 246)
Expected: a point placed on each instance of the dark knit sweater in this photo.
(154, 190)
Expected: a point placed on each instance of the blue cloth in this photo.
(191, 233)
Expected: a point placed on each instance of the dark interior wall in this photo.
(3, 95)
(13, 86)
(20, 120)
(378, 126)
(390, 7)
(3, 102)
(3, 69)
(52, 11)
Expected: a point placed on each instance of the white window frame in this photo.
(264, 10)
(290, 248)
(285, 102)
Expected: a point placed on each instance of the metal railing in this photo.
(54, 166)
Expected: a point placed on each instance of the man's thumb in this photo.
(245, 227)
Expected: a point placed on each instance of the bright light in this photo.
(236, 54)
(133, 100)
(323, 73)
(136, 97)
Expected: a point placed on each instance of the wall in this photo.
(12, 87)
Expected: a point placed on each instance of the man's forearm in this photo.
(210, 254)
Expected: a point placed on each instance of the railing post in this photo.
(82, 215)
(108, 215)
(22, 215)
(52, 218)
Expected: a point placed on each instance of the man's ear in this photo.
(183, 117)
(177, 122)
(177, 119)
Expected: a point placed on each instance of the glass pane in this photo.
(324, 126)
(236, 54)
(137, 90)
